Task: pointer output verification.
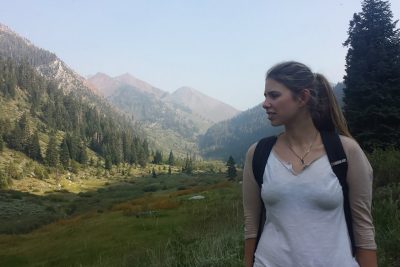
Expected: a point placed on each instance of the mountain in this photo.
(171, 121)
(234, 136)
(107, 85)
(41, 98)
(128, 79)
(208, 107)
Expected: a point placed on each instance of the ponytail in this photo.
(327, 116)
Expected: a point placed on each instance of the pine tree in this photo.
(231, 172)
(157, 157)
(188, 165)
(108, 163)
(51, 158)
(1, 143)
(34, 151)
(171, 159)
(372, 93)
(82, 156)
(19, 136)
(64, 153)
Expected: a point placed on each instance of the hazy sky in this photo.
(220, 47)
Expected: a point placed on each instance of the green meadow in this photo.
(146, 221)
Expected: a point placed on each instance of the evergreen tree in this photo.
(64, 153)
(188, 165)
(73, 146)
(51, 158)
(157, 157)
(231, 172)
(108, 163)
(372, 93)
(142, 158)
(34, 151)
(19, 136)
(91, 161)
(1, 143)
(82, 156)
(171, 159)
(133, 154)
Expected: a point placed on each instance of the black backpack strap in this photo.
(338, 160)
(260, 158)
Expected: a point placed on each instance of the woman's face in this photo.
(279, 103)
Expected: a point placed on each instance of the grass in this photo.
(116, 237)
(119, 222)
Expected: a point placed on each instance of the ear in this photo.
(304, 97)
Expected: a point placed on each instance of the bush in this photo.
(40, 172)
(385, 164)
(150, 188)
(386, 214)
(12, 171)
(5, 181)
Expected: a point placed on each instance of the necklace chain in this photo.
(305, 153)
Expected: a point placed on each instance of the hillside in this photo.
(49, 115)
(233, 137)
(199, 103)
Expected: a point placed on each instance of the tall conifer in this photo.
(372, 92)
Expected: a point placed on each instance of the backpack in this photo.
(337, 158)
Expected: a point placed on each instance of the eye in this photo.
(272, 95)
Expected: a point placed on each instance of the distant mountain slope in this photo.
(173, 121)
(233, 137)
(128, 79)
(169, 126)
(42, 91)
(48, 64)
(208, 107)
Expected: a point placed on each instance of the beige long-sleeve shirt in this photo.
(359, 179)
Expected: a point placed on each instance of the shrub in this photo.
(386, 213)
(385, 164)
(12, 171)
(150, 188)
(5, 181)
(40, 172)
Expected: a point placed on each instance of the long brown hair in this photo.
(324, 108)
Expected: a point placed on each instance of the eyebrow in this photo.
(270, 92)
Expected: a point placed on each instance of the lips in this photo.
(271, 115)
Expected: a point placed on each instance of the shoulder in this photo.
(354, 153)
(250, 151)
(350, 146)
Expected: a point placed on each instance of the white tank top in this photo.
(305, 223)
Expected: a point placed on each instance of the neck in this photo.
(301, 132)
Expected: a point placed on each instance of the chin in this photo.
(275, 123)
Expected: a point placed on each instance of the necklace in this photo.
(301, 158)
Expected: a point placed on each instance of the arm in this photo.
(359, 179)
(366, 257)
(251, 208)
(249, 248)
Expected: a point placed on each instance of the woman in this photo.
(303, 199)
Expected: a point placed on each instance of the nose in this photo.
(266, 104)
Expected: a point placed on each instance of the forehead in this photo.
(272, 85)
